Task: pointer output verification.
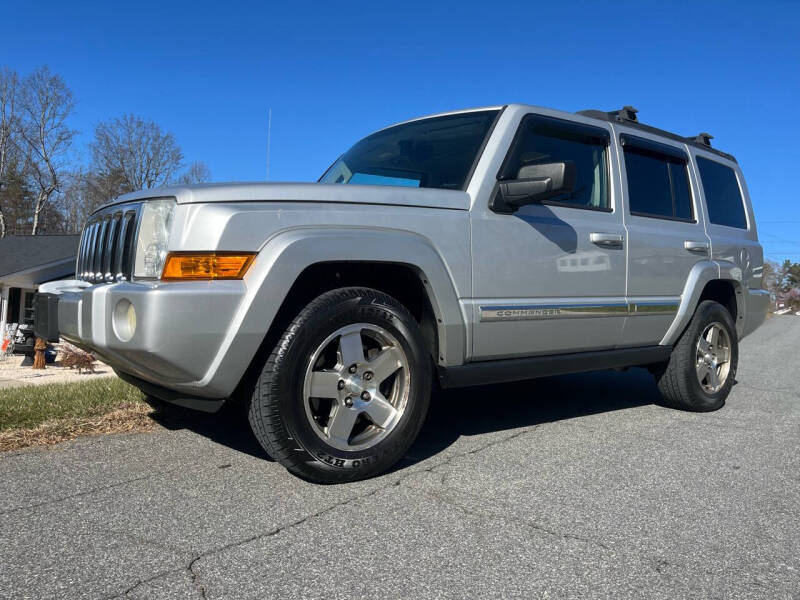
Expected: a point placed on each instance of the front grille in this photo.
(107, 245)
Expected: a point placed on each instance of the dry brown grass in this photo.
(125, 418)
(48, 414)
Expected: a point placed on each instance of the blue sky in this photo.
(335, 71)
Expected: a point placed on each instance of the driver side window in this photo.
(546, 140)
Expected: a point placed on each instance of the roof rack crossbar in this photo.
(701, 138)
(626, 113)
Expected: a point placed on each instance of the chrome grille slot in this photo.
(97, 263)
(107, 245)
(110, 247)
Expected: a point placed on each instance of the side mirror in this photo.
(533, 184)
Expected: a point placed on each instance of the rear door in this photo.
(666, 235)
(550, 278)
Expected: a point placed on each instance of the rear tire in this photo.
(346, 389)
(702, 368)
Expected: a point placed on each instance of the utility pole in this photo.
(269, 138)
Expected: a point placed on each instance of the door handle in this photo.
(696, 247)
(607, 240)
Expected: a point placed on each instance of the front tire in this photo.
(702, 368)
(346, 390)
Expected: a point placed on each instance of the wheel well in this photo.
(403, 282)
(724, 292)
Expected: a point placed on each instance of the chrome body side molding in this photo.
(536, 312)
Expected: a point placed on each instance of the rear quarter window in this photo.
(723, 195)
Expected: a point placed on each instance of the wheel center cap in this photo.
(354, 385)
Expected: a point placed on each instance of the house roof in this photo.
(24, 252)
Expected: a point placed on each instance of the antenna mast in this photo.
(269, 138)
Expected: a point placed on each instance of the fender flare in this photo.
(731, 272)
(283, 257)
(701, 274)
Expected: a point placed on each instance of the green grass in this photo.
(30, 406)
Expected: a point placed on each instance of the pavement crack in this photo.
(144, 581)
(87, 492)
(191, 567)
(488, 514)
(195, 577)
(452, 458)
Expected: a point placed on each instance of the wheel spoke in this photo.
(341, 424)
(380, 411)
(713, 336)
(713, 378)
(385, 364)
(703, 345)
(351, 348)
(323, 384)
(702, 370)
(723, 355)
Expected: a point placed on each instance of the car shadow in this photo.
(227, 427)
(460, 412)
(484, 409)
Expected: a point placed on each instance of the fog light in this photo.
(124, 320)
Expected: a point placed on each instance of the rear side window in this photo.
(658, 185)
(723, 196)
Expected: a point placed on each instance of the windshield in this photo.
(432, 153)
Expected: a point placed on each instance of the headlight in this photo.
(151, 245)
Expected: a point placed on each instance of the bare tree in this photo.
(84, 192)
(9, 121)
(45, 103)
(198, 172)
(130, 153)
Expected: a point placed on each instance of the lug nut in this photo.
(348, 402)
(340, 385)
(368, 375)
(365, 396)
(352, 368)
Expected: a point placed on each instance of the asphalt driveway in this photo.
(575, 486)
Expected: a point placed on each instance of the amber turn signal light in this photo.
(206, 265)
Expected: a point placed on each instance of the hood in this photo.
(307, 192)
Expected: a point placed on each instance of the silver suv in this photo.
(471, 247)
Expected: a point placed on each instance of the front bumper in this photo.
(180, 328)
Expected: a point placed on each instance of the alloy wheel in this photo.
(713, 357)
(356, 386)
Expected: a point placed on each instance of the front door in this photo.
(550, 278)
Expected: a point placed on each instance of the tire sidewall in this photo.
(290, 369)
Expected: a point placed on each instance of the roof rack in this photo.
(701, 138)
(626, 113)
(627, 116)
